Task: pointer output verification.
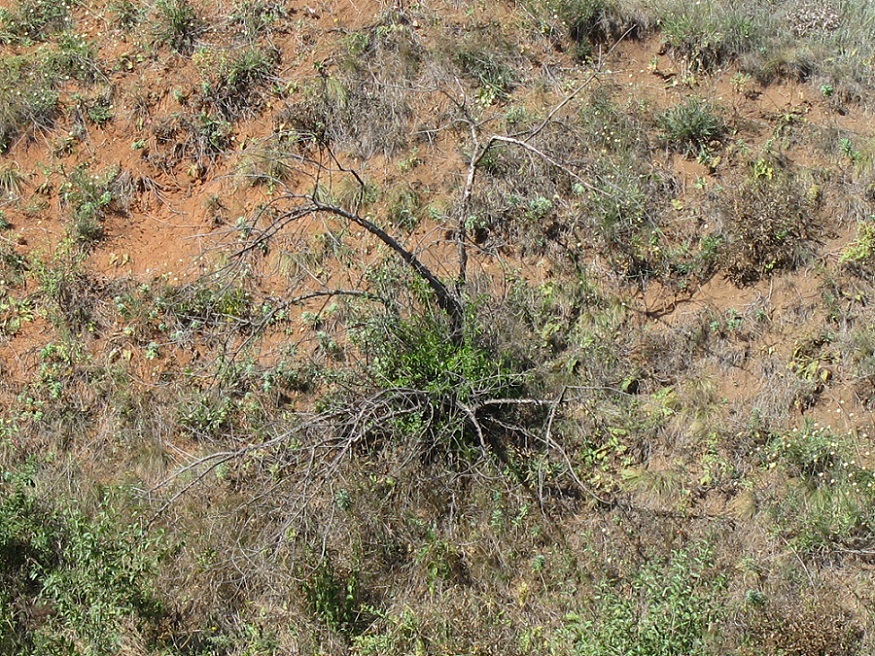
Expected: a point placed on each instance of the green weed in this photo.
(587, 23)
(770, 226)
(709, 34)
(29, 101)
(691, 126)
(231, 81)
(255, 18)
(435, 382)
(12, 180)
(91, 197)
(126, 13)
(33, 20)
(176, 25)
(488, 66)
(860, 252)
(334, 598)
(831, 508)
(271, 162)
(404, 208)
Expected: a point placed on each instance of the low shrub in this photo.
(769, 225)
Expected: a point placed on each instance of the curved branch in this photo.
(447, 301)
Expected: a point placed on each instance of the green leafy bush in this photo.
(859, 254)
(254, 18)
(435, 379)
(28, 98)
(586, 22)
(828, 505)
(708, 34)
(334, 598)
(669, 609)
(204, 304)
(91, 197)
(71, 583)
(488, 65)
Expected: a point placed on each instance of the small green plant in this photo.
(230, 81)
(126, 13)
(253, 18)
(176, 25)
(488, 66)
(204, 304)
(270, 162)
(91, 197)
(199, 138)
(29, 101)
(740, 82)
(811, 453)
(74, 57)
(447, 380)
(12, 180)
(691, 127)
(709, 34)
(770, 225)
(207, 415)
(832, 508)
(586, 22)
(391, 634)
(334, 598)
(404, 208)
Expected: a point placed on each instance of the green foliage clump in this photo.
(437, 379)
(270, 162)
(231, 81)
(488, 65)
(586, 22)
(177, 25)
(708, 34)
(334, 598)
(201, 305)
(829, 505)
(91, 197)
(254, 18)
(405, 208)
(856, 255)
(690, 126)
(207, 415)
(669, 609)
(71, 583)
(126, 13)
(33, 20)
(29, 97)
